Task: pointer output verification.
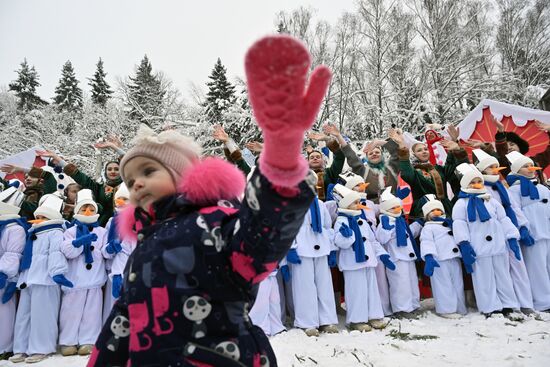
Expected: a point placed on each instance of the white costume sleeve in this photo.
(461, 231)
(427, 243)
(9, 261)
(57, 263)
(67, 247)
(510, 230)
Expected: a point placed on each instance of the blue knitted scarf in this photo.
(475, 205)
(315, 212)
(82, 230)
(112, 236)
(27, 252)
(505, 199)
(528, 188)
(358, 244)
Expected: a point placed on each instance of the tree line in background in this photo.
(400, 63)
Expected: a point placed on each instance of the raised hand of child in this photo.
(276, 70)
(292, 257)
(345, 230)
(387, 262)
(430, 265)
(61, 280)
(117, 285)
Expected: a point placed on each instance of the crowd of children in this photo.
(193, 261)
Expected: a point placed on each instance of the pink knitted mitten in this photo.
(276, 72)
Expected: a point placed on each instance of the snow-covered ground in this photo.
(470, 341)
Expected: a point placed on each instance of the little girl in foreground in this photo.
(200, 253)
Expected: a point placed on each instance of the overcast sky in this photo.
(183, 38)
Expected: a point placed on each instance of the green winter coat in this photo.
(428, 179)
(103, 194)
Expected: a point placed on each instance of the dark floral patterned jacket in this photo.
(189, 282)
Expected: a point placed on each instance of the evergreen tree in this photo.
(221, 94)
(146, 94)
(68, 95)
(25, 87)
(101, 91)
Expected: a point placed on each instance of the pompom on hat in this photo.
(170, 148)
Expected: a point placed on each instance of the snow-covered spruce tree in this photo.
(221, 94)
(145, 94)
(68, 95)
(101, 91)
(25, 87)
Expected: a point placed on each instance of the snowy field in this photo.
(470, 341)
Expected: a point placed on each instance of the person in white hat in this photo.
(441, 254)
(484, 234)
(81, 306)
(43, 268)
(356, 183)
(358, 255)
(312, 291)
(12, 243)
(533, 198)
(116, 253)
(489, 166)
(397, 237)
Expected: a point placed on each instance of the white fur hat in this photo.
(467, 172)
(388, 200)
(484, 160)
(351, 180)
(344, 196)
(10, 200)
(517, 160)
(122, 191)
(431, 204)
(50, 207)
(84, 197)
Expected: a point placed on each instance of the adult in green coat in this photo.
(423, 177)
(103, 192)
(38, 182)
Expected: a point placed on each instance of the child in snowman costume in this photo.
(312, 291)
(43, 268)
(484, 234)
(12, 243)
(533, 199)
(489, 166)
(80, 316)
(266, 310)
(116, 253)
(441, 254)
(397, 237)
(356, 183)
(357, 259)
